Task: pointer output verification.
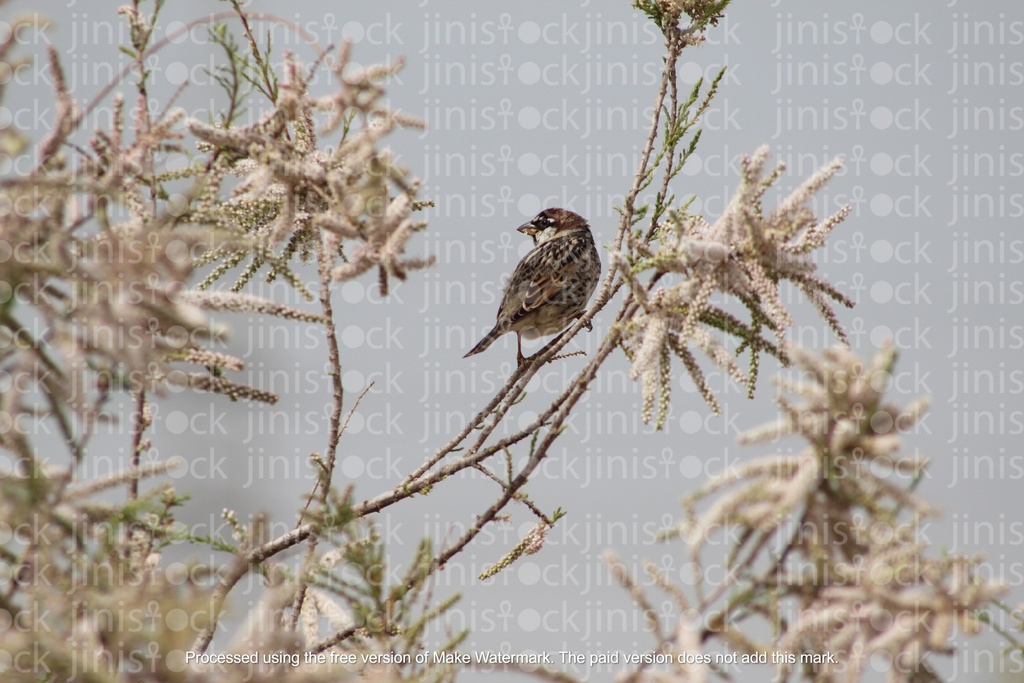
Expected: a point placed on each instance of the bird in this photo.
(551, 285)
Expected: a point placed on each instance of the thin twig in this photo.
(327, 247)
(137, 430)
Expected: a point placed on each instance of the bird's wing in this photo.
(544, 287)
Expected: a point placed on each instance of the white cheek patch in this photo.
(545, 234)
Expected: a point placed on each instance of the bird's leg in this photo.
(547, 346)
(520, 359)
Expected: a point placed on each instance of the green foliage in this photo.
(666, 14)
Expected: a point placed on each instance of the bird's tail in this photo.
(486, 341)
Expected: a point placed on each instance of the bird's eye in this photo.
(549, 221)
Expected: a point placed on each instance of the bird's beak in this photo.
(528, 229)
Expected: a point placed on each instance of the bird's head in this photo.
(552, 223)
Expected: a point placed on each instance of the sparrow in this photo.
(552, 284)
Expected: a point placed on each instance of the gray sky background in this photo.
(535, 104)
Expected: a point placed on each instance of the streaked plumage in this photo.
(552, 284)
